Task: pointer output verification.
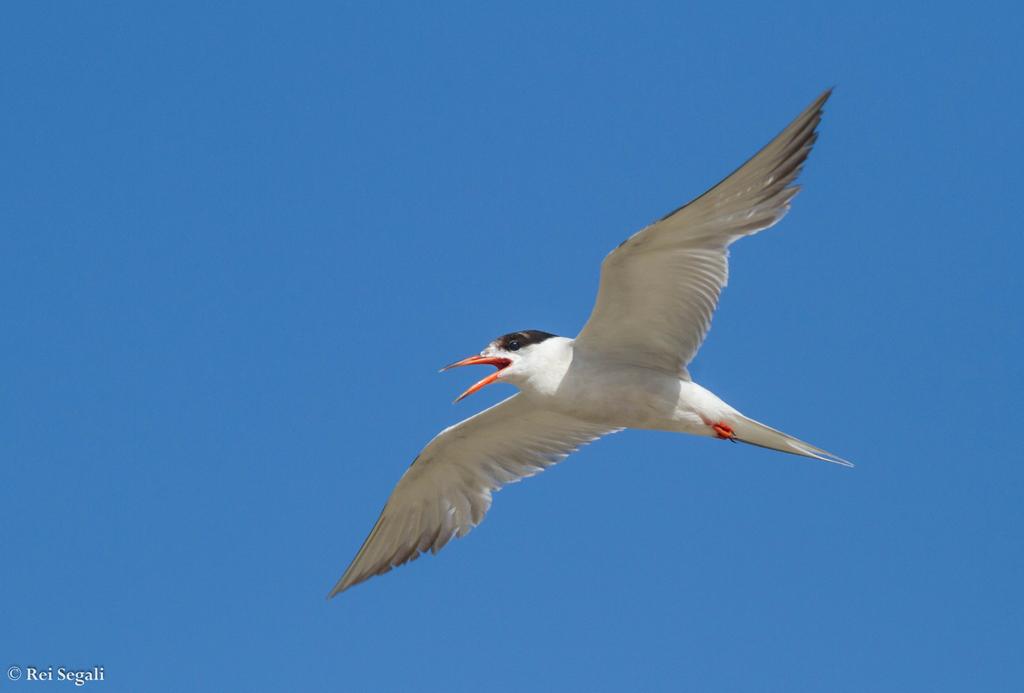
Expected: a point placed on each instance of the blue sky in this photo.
(237, 242)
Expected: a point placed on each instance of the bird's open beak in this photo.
(495, 361)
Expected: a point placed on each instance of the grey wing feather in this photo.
(660, 287)
(447, 490)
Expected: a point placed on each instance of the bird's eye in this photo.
(513, 345)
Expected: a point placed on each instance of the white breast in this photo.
(598, 390)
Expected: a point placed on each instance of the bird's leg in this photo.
(724, 431)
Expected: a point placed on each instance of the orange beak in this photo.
(496, 361)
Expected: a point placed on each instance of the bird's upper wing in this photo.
(447, 490)
(659, 288)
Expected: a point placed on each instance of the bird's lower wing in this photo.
(447, 490)
(660, 287)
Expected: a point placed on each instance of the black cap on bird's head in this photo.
(499, 353)
(514, 341)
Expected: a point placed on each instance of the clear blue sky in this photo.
(237, 242)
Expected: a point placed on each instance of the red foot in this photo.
(723, 431)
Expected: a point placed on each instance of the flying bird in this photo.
(625, 369)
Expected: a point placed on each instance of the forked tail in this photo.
(756, 433)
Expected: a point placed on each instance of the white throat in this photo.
(541, 369)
